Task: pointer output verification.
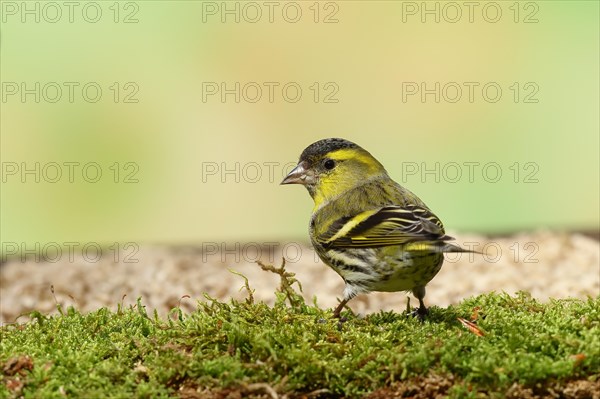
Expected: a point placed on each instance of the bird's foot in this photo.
(341, 322)
(420, 313)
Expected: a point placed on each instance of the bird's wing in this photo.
(386, 226)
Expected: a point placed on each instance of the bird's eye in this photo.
(329, 164)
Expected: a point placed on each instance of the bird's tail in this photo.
(447, 247)
(438, 246)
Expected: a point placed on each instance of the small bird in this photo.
(376, 234)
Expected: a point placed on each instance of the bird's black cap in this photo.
(325, 146)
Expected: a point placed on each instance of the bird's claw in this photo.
(420, 313)
(341, 321)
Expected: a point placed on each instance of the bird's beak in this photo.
(299, 175)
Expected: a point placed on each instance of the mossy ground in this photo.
(296, 349)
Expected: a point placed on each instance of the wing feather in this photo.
(386, 226)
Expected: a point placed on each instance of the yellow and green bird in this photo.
(376, 234)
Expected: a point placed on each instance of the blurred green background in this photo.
(196, 165)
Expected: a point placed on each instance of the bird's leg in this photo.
(422, 310)
(338, 310)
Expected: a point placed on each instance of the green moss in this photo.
(300, 348)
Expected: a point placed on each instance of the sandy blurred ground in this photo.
(547, 264)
